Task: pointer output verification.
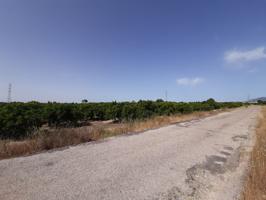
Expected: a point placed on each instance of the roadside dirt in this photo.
(201, 159)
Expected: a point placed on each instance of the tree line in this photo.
(19, 120)
(261, 102)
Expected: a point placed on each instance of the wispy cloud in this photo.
(237, 56)
(189, 81)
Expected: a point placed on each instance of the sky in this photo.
(124, 50)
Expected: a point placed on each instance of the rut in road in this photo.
(202, 159)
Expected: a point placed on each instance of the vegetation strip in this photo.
(255, 188)
(56, 138)
(26, 128)
(22, 120)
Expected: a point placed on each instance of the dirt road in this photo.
(203, 159)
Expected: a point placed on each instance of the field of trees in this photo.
(19, 120)
(260, 102)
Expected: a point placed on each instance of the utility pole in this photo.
(166, 95)
(9, 93)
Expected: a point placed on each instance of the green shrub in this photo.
(19, 120)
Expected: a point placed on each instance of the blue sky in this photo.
(105, 50)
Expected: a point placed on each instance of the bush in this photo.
(19, 120)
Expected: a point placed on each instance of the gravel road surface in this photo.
(201, 159)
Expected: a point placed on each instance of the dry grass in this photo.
(56, 138)
(45, 140)
(255, 188)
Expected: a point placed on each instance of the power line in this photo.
(9, 93)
